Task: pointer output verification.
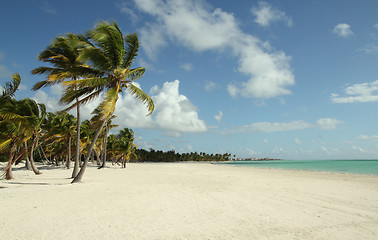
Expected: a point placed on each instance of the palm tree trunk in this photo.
(11, 161)
(104, 147)
(27, 161)
(97, 158)
(68, 163)
(35, 169)
(82, 170)
(77, 153)
(44, 155)
(8, 168)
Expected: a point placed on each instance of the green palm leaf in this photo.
(142, 96)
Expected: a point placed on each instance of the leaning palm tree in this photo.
(63, 55)
(29, 116)
(111, 54)
(96, 121)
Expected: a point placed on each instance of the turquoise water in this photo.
(345, 166)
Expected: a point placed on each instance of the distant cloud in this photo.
(376, 25)
(265, 15)
(125, 8)
(297, 141)
(362, 92)
(366, 137)
(187, 67)
(219, 116)
(210, 86)
(342, 30)
(270, 127)
(370, 49)
(328, 123)
(48, 8)
(185, 22)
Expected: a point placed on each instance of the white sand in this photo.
(189, 201)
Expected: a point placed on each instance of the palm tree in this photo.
(126, 144)
(61, 130)
(35, 114)
(112, 55)
(63, 54)
(10, 88)
(96, 122)
(29, 116)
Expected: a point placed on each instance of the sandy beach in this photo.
(189, 201)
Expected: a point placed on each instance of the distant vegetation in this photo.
(172, 156)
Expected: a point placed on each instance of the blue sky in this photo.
(288, 79)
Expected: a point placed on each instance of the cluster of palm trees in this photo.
(88, 66)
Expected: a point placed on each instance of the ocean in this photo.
(344, 166)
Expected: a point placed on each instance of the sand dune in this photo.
(189, 201)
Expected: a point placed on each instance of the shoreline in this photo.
(189, 201)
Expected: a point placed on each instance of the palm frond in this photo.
(132, 47)
(136, 73)
(142, 96)
(108, 37)
(69, 97)
(11, 87)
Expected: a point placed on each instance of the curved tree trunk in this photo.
(8, 168)
(77, 153)
(35, 169)
(11, 161)
(82, 170)
(68, 163)
(27, 161)
(104, 147)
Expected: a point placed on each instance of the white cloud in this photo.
(270, 127)
(370, 49)
(219, 116)
(265, 14)
(359, 149)
(343, 30)
(125, 7)
(174, 111)
(330, 151)
(185, 22)
(376, 25)
(366, 137)
(273, 127)
(297, 141)
(278, 150)
(187, 67)
(328, 123)
(152, 40)
(210, 86)
(362, 92)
